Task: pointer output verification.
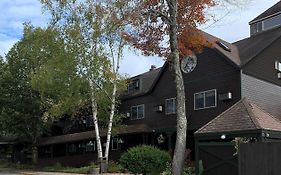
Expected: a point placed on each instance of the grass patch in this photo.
(64, 169)
(114, 167)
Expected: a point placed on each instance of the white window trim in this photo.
(196, 109)
(174, 98)
(112, 142)
(138, 112)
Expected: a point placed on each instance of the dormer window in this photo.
(265, 24)
(133, 85)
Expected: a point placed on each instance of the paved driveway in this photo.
(43, 173)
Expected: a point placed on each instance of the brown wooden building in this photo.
(220, 77)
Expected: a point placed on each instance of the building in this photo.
(217, 80)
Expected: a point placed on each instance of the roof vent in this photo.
(223, 46)
(153, 67)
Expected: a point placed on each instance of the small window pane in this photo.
(115, 144)
(170, 106)
(199, 100)
(140, 111)
(272, 22)
(210, 99)
(134, 113)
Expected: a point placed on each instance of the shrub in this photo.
(113, 167)
(145, 159)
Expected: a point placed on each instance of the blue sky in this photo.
(231, 28)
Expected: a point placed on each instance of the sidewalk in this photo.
(55, 173)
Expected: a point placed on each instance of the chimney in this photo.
(153, 67)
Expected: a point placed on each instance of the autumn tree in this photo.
(168, 28)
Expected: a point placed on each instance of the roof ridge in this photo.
(249, 108)
(270, 115)
(218, 117)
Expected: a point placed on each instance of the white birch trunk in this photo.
(94, 113)
(112, 111)
(113, 98)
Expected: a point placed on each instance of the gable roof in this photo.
(242, 116)
(269, 12)
(232, 55)
(149, 79)
(254, 45)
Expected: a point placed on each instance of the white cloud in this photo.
(6, 45)
(134, 63)
(15, 12)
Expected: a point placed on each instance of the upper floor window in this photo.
(137, 112)
(266, 24)
(170, 106)
(206, 99)
(133, 85)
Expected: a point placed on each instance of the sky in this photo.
(231, 27)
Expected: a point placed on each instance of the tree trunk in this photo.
(94, 113)
(112, 110)
(178, 158)
(34, 151)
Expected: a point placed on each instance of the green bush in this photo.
(145, 159)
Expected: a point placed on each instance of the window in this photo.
(272, 22)
(206, 99)
(72, 148)
(137, 112)
(170, 106)
(90, 146)
(133, 85)
(115, 144)
(266, 24)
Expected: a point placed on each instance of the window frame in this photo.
(204, 93)
(137, 106)
(112, 143)
(133, 85)
(175, 111)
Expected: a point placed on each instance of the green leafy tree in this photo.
(22, 107)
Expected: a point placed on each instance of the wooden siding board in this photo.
(213, 71)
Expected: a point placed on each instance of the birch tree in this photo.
(91, 31)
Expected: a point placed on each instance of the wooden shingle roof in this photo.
(250, 47)
(242, 116)
(269, 12)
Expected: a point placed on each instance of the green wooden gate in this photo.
(217, 158)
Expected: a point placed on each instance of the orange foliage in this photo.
(150, 26)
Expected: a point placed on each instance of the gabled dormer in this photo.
(269, 19)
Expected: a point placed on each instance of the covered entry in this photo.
(216, 142)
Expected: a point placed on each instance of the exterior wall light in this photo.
(223, 136)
